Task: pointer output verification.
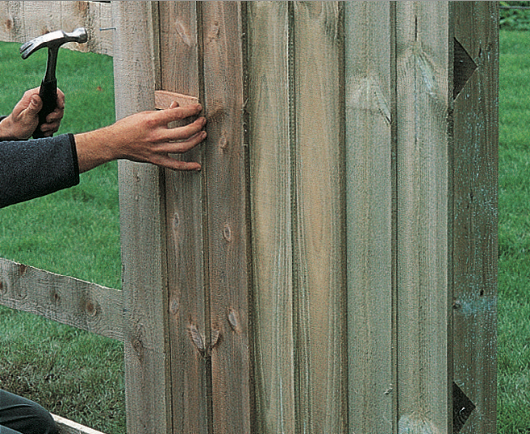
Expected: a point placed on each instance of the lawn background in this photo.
(73, 232)
(76, 232)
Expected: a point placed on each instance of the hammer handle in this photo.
(48, 94)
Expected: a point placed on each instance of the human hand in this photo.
(144, 137)
(24, 118)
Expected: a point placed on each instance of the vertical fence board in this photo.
(270, 177)
(318, 160)
(227, 230)
(369, 185)
(423, 165)
(475, 205)
(142, 231)
(184, 210)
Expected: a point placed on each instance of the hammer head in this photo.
(53, 40)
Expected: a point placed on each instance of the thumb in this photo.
(35, 106)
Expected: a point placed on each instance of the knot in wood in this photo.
(176, 221)
(233, 320)
(223, 143)
(91, 308)
(9, 24)
(55, 296)
(22, 269)
(184, 33)
(3, 288)
(215, 338)
(227, 233)
(82, 8)
(214, 32)
(174, 307)
(138, 348)
(196, 338)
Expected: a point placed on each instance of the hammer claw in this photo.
(53, 40)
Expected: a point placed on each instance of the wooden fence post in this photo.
(143, 227)
(475, 211)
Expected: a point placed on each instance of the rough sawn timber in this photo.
(67, 300)
(21, 21)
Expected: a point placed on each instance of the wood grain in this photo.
(226, 200)
(188, 300)
(66, 426)
(21, 21)
(475, 215)
(270, 175)
(318, 218)
(143, 231)
(163, 99)
(370, 186)
(423, 37)
(70, 301)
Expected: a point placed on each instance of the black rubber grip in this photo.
(48, 94)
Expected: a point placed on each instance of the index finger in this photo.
(178, 113)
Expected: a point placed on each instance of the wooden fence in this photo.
(332, 269)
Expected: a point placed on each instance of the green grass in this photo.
(514, 19)
(514, 235)
(73, 232)
(76, 232)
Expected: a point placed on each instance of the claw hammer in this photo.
(48, 88)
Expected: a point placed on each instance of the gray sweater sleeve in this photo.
(33, 168)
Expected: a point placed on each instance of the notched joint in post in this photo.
(464, 67)
(462, 408)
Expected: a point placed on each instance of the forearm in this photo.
(30, 169)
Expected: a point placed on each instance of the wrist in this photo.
(93, 150)
(6, 129)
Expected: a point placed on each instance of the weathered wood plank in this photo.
(21, 21)
(318, 218)
(226, 214)
(179, 47)
(66, 426)
(369, 186)
(188, 324)
(270, 177)
(163, 99)
(70, 301)
(475, 219)
(423, 51)
(143, 231)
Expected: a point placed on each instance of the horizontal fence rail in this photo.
(21, 21)
(67, 300)
(66, 426)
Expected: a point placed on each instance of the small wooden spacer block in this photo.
(164, 98)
